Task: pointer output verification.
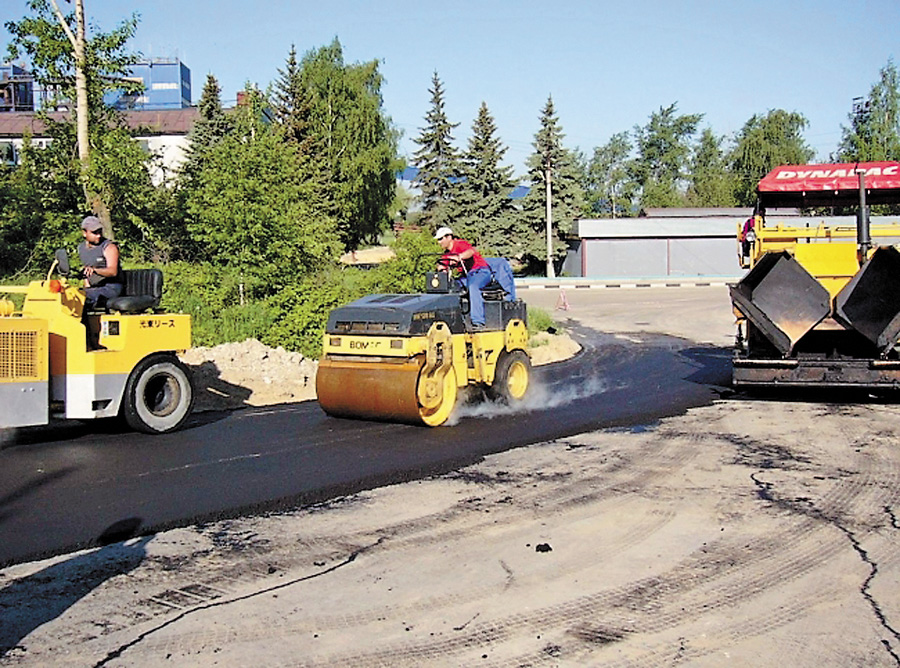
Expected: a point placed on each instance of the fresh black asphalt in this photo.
(75, 485)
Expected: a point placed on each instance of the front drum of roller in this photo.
(369, 390)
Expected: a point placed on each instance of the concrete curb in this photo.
(594, 283)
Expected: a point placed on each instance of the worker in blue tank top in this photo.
(100, 259)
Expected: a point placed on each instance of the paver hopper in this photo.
(819, 307)
(870, 302)
(781, 299)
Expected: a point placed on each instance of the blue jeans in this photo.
(475, 281)
(96, 297)
(503, 275)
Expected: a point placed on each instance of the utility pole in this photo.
(549, 197)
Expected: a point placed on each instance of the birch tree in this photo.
(65, 60)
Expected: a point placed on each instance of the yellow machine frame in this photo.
(828, 252)
(47, 367)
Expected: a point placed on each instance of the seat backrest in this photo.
(142, 290)
(143, 282)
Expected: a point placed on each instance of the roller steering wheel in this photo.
(448, 264)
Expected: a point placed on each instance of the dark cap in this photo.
(91, 223)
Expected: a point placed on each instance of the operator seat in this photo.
(502, 286)
(493, 291)
(141, 290)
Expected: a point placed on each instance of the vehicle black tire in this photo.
(512, 378)
(159, 395)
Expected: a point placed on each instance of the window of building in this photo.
(7, 152)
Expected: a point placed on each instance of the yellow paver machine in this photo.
(56, 361)
(820, 304)
(411, 357)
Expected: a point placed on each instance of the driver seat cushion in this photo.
(142, 290)
(493, 291)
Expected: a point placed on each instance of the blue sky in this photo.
(608, 65)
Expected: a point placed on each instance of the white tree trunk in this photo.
(78, 40)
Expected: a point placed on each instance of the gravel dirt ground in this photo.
(743, 533)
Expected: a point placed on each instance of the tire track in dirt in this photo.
(806, 555)
(408, 535)
(809, 502)
(817, 546)
(465, 519)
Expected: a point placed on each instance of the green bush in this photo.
(414, 255)
(224, 304)
(281, 309)
(302, 309)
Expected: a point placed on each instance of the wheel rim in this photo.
(162, 395)
(517, 380)
(160, 398)
(439, 414)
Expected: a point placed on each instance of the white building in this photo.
(661, 243)
(162, 132)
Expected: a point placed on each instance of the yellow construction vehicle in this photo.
(820, 304)
(411, 357)
(58, 362)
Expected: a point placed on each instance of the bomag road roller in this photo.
(56, 361)
(412, 357)
(820, 304)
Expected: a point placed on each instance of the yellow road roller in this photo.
(412, 357)
(820, 304)
(56, 361)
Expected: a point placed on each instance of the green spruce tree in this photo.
(293, 109)
(550, 160)
(291, 103)
(483, 211)
(210, 127)
(437, 160)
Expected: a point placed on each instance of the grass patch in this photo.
(540, 321)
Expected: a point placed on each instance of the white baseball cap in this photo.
(442, 232)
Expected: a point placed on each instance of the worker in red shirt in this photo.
(476, 272)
